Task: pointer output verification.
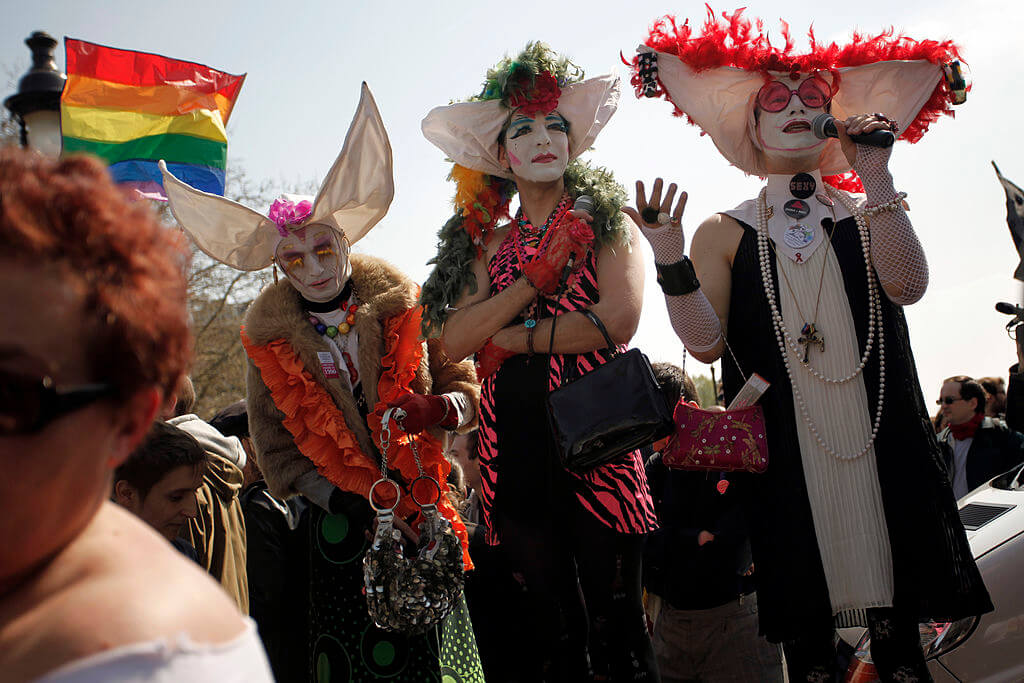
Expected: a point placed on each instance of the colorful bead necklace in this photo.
(528, 232)
(331, 332)
(522, 232)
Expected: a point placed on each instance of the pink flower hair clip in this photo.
(285, 212)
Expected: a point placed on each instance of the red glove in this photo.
(422, 411)
(572, 239)
(489, 358)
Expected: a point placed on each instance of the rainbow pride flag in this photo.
(134, 108)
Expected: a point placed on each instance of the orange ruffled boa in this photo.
(322, 435)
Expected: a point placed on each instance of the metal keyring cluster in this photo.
(410, 595)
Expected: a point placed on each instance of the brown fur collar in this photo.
(384, 292)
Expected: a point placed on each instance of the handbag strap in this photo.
(592, 317)
(733, 355)
(600, 326)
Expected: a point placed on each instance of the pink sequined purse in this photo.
(728, 441)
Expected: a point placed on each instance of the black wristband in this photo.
(677, 278)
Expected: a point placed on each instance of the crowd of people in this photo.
(388, 502)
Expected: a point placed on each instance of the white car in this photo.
(989, 649)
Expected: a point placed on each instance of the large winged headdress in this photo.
(353, 198)
(712, 77)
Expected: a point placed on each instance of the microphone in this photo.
(1011, 309)
(824, 126)
(583, 203)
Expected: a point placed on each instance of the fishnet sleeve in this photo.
(693, 318)
(895, 250)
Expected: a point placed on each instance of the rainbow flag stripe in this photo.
(134, 108)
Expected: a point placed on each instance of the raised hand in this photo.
(662, 227)
(656, 212)
(862, 123)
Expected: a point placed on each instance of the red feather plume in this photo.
(733, 40)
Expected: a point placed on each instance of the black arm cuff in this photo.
(677, 278)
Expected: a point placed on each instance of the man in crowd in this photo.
(217, 532)
(995, 396)
(277, 547)
(159, 480)
(976, 448)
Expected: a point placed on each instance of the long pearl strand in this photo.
(785, 339)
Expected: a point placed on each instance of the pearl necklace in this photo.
(785, 340)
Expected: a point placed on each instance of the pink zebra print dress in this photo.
(518, 461)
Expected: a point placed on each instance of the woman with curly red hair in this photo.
(95, 336)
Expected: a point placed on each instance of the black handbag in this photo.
(615, 408)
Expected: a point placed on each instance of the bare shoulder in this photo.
(120, 584)
(717, 232)
(480, 290)
(497, 237)
(147, 579)
(717, 238)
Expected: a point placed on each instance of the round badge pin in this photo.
(798, 236)
(796, 208)
(802, 185)
(825, 199)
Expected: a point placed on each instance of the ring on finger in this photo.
(893, 126)
(664, 218)
(649, 215)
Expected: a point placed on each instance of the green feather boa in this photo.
(452, 276)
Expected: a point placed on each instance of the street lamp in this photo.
(36, 105)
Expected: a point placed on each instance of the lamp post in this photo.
(36, 105)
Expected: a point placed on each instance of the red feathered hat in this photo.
(713, 77)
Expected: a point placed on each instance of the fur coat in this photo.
(278, 314)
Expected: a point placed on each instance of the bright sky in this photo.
(305, 61)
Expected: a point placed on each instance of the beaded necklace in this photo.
(522, 232)
(343, 328)
(786, 340)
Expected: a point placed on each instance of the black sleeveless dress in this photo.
(935, 574)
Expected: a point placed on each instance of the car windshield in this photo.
(1010, 481)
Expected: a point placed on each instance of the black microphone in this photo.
(584, 203)
(1009, 309)
(824, 126)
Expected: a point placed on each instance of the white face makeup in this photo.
(537, 148)
(315, 260)
(787, 133)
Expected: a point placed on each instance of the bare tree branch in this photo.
(220, 304)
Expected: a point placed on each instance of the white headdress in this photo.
(468, 132)
(353, 198)
(713, 78)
